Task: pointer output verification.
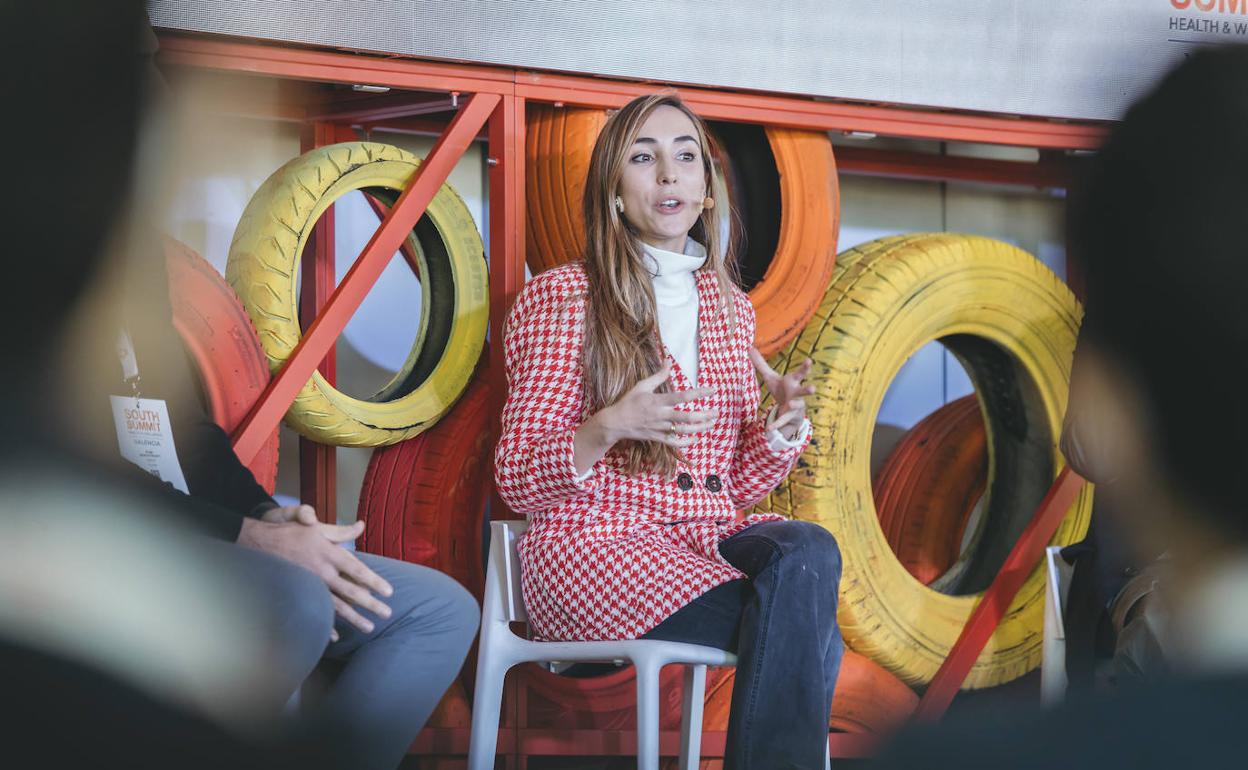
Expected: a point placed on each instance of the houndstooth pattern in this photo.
(613, 555)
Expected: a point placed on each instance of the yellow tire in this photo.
(1012, 323)
(263, 268)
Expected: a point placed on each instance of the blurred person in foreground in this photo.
(389, 635)
(112, 620)
(1163, 373)
(142, 626)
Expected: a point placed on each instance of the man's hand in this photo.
(306, 515)
(294, 533)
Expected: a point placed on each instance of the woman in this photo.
(631, 435)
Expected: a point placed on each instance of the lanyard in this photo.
(129, 362)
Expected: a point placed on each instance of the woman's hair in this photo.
(621, 330)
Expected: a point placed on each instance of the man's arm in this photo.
(197, 514)
(213, 471)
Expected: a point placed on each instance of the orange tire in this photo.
(558, 142)
(926, 490)
(798, 174)
(423, 499)
(868, 698)
(221, 340)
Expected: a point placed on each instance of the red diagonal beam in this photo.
(996, 600)
(409, 253)
(319, 338)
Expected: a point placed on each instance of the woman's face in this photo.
(663, 183)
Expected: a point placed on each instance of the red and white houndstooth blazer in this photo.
(613, 555)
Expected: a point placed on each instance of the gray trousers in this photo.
(387, 682)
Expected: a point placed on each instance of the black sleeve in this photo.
(214, 473)
(222, 489)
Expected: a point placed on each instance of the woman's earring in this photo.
(619, 204)
(708, 202)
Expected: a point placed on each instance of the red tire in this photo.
(222, 341)
(926, 490)
(423, 499)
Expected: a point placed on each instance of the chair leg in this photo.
(487, 702)
(827, 755)
(647, 715)
(691, 717)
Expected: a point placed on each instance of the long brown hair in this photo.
(621, 329)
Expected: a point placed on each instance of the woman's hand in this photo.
(787, 391)
(641, 414)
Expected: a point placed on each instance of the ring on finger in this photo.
(671, 429)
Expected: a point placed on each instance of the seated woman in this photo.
(631, 436)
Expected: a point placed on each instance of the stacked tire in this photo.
(929, 487)
(222, 343)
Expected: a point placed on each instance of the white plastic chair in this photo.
(500, 649)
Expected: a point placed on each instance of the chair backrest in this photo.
(502, 575)
(1053, 680)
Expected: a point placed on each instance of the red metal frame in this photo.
(494, 98)
(800, 112)
(318, 463)
(506, 240)
(1049, 172)
(579, 90)
(383, 107)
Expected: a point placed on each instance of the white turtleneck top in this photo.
(676, 303)
(676, 300)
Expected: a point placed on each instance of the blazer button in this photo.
(684, 481)
(713, 483)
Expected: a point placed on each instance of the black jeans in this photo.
(781, 623)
